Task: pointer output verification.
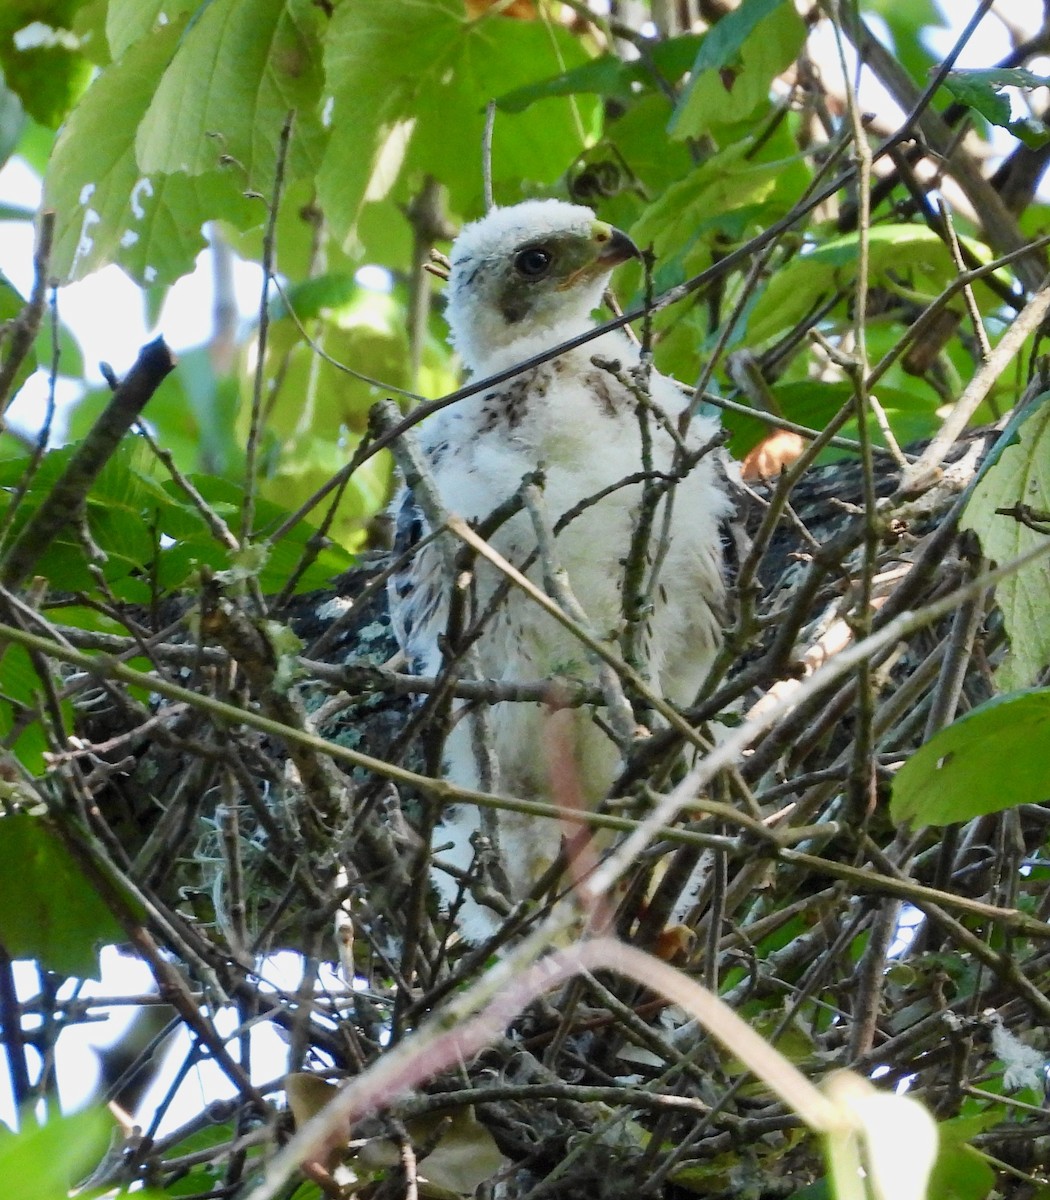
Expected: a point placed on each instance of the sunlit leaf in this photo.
(736, 65)
(107, 209)
(409, 85)
(241, 67)
(897, 254)
(129, 20)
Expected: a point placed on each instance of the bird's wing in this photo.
(417, 591)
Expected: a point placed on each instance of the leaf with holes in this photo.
(110, 211)
(992, 758)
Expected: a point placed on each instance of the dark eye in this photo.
(533, 262)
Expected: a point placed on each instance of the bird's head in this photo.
(527, 277)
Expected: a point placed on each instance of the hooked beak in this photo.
(614, 246)
(611, 247)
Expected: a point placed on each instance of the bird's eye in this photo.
(533, 262)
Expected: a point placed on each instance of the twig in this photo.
(504, 993)
(979, 331)
(23, 330)
(39, 444)
(621, 715)
(920, 474)
(13, 1034)
(861, 783)
(738, 740)
(219, 529)
(64, 502)
(251, 449)
(598, 648)
(486, 155)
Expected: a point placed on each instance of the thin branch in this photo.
(23, 330)
(920, 474)
(486, 155)
(63, 504)
(251, 482)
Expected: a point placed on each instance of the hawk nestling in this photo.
(523, 280)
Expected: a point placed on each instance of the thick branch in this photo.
(63, 504)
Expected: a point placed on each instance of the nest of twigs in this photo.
(277, 832)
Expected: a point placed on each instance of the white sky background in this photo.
(106, 313)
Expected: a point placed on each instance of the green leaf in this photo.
(21, 689)
(981, 90)
(89, 25)
(224, 97)
(313, 296)
(108, 211)
(912, 415)
(736, 65)
(724, 44)
(410, 81)
(710, 199)
(45, 1162)
(654, 161)
(129, 20)
(40, 56)
(128, 513)
(980, 94)
(48, 911)
(609, 76)
(912, 253)
(1030, 130)
(1020, 476)
(362, 329)
(209, 1176)
(961, 1173)
(992, 758)
(604, 76)
(34, 147)
(226, 497)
